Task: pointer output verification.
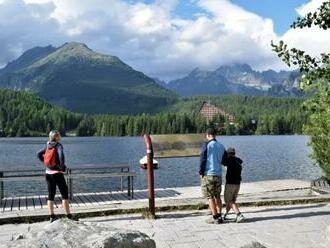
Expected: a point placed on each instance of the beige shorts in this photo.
(211, 186)
(231, 192)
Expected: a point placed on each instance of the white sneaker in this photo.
(240, 218)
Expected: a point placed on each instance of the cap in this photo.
(231, 150)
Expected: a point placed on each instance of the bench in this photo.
(72, 173)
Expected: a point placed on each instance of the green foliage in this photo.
(162, 123)
(254, 114)
(318, 126)
(24, 114)
(319, 18)
(316, 79)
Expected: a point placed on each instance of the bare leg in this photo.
(219, 205)
(235, 208)
(228, 207)
(213, 207)
(66, 206)
(50, 205)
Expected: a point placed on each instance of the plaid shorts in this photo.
(211, 186)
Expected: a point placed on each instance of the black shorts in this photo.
(59, 180)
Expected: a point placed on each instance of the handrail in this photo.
(74, 167)
(71, 173)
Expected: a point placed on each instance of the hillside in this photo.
(25, 114)
(237, 79)
(79, 79)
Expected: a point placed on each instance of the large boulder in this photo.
(67, 233)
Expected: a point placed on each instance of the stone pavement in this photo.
(301, 226)
(277, 192)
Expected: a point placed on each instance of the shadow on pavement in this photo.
(270, 209)
(289, 216)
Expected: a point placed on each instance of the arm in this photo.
(240, 161)
(40, 154)
(61, 155)
(225, 158)
(203, 160)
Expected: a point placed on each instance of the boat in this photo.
(144, 165)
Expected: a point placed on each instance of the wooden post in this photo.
(2, 195)
(150, 168)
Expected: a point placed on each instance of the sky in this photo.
(163, 38)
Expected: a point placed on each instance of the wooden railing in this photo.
(71, 174)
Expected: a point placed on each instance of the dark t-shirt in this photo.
(234, 170)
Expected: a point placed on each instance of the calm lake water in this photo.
(265, 158)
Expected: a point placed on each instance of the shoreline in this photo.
(239, 135)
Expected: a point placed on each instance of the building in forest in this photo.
(210, 111)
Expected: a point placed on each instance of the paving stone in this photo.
(302, 226)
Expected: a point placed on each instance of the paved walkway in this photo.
(90, 202)
(301, 226)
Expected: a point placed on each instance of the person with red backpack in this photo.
(53, 159)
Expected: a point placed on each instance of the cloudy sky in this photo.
(163, 38)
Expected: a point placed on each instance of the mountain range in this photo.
(238, 79)
(77, 78)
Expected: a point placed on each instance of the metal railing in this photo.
(71, 174)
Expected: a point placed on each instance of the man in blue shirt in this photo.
(212, 155)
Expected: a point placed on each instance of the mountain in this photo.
(77, 78)
(238, 79)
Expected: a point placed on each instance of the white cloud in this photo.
(148, 36)
(312, 40)
(311, 6)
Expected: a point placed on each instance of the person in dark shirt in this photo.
(233, 182)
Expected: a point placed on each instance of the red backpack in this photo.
(50, 157)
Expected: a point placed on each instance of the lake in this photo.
(265, 158)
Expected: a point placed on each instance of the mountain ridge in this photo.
(237, 79)
(75, 77)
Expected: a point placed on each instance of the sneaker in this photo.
(225, 218)
(72, 217)
(240, 218)
(212, 221)
(220, 220)
(52, 218)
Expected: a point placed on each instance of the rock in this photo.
(328, 234)
(68, 233)
(254, 245)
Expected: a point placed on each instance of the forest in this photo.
(25, 114)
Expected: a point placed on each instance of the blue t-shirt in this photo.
(211, 158)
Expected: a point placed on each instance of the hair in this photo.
(231, 150)
(53, 134)
(211, 131)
